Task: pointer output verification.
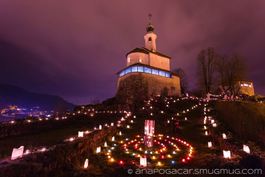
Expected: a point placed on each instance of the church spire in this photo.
(150, 36)
(150, 27)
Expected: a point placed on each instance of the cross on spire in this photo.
(150, 27)
(149, 17)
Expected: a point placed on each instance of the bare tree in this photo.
(235, 71)
(230, 70)
(206, 60)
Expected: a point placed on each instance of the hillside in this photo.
(12, 95)
(246, 119)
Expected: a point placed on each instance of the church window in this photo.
(147, 70)
(154, 71)
(144, 69)
(128, 70)
(122, 73)
(162, 73)
(140, 69)
(134, 69)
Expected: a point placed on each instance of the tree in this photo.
(206, 60)
(235, 72)
(230, 70)
(183, 79)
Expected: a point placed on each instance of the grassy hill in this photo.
(246, 119)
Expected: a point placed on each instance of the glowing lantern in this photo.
(111, 160)
(43, 149)
(226, 154)
(17, 153)
(27, 152)
(98, 150)
(80, 134)
(159, 164)
(113, 138)
(246, 149)
(100, 127)
(214, 125)
(224, 136)
(121, 162)
(210, 144)
(143, 161)
(105, 144)
(86, 164)
(206, 133)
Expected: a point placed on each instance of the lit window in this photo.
(134, 69)
(162, 73)
(154, 71)
(147, 70)
(140, 69)
(128, 70)
(140, 60)
(122, 73)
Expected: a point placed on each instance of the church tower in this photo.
(150, 38)
(147, 66)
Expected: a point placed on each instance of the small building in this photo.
(245, 88)
(151, 67)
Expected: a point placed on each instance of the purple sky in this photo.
(74, 48)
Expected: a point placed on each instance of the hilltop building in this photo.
(151, 67)
(245, 88)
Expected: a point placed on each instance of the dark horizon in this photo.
(74, 49)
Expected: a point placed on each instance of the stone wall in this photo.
(155, 84)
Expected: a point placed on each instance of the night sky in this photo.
(74, 48)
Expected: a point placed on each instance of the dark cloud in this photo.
(75, 48)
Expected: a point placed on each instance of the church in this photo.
(151, 66)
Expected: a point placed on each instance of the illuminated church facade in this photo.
(152, 66)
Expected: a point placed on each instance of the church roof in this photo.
(146, 51)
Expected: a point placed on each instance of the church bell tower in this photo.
(150, 36)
